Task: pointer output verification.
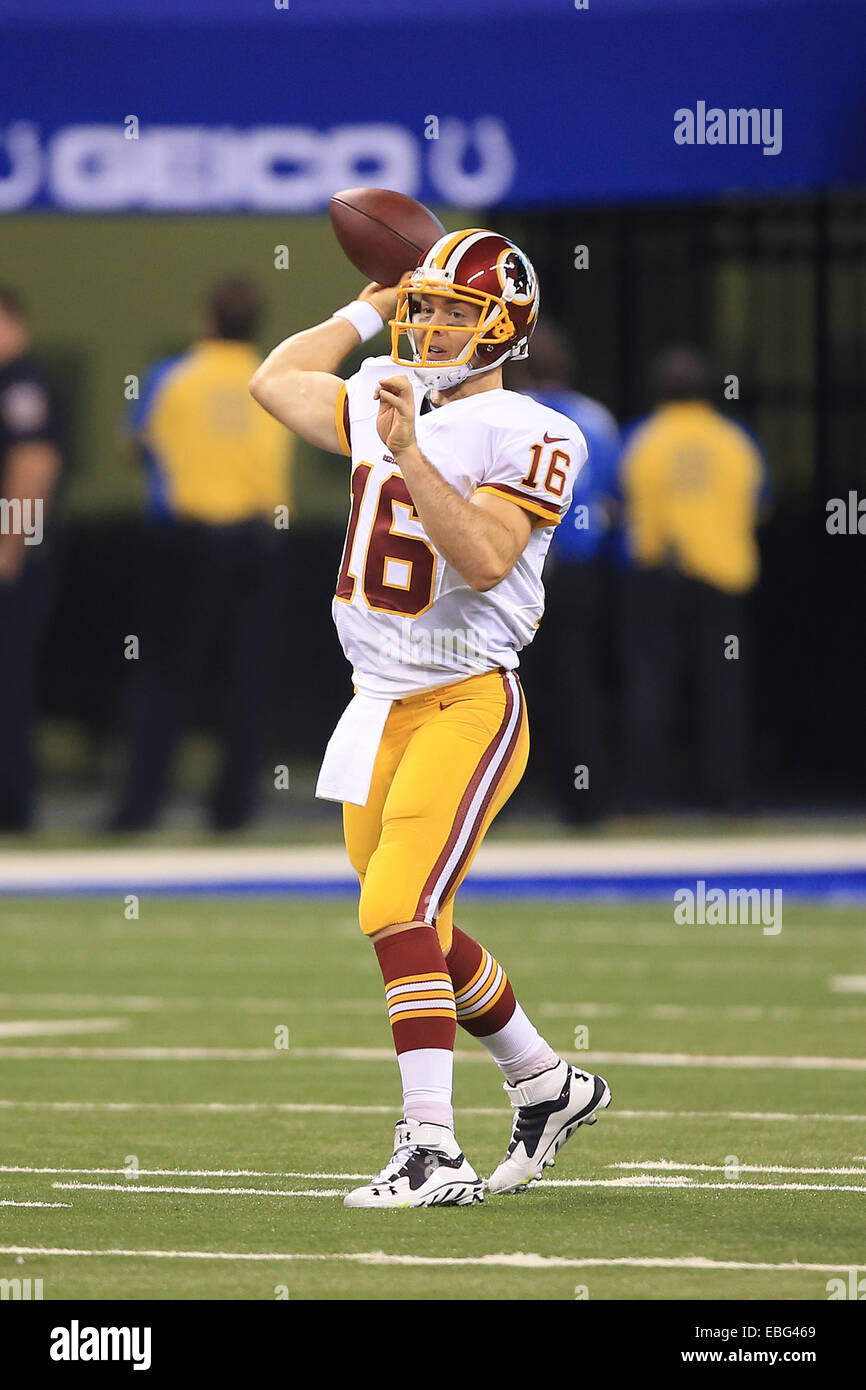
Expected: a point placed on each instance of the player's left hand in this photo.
(396, 422)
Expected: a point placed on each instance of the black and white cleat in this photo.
(549, 1108)
(426, 1169)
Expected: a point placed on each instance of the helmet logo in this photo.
(516, 277)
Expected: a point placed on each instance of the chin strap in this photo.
(441, 378)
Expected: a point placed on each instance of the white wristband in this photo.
(364, 318)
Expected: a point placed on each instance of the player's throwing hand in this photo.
(396, 422)
(382, 297)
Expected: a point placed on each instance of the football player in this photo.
(456, 487)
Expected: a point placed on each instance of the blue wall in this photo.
(538, 103)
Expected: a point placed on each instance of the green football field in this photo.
(160, 1141)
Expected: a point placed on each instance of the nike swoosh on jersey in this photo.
(556, 439)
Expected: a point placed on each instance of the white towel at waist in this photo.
(347, 767)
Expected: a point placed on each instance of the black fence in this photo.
(808, 665)
(775, 292)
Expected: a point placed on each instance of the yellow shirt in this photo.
(221, 457)
(691, 481)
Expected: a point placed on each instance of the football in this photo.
(384, 234)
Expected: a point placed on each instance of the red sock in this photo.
(418, 990)
(484, 998)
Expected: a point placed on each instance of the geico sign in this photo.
(97, 168)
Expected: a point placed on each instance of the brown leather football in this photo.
(383, 233)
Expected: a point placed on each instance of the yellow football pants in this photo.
(448, 761)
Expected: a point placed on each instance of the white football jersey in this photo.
(406, 619)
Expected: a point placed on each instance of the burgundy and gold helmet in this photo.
(485, 271)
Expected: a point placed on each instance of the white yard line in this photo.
(739, 1060)
(670, 1166)
(6, 1202)
(679, 1182)
(142, 1188)
(385, 1054)
(133, 1002)
(692, 1013)
(35, 1027)
(517, 1260)
(181, 1173)
(145, 1054)
(758, 1116)
(136, 1003)
(641, 1179)
(139, 1003)
(218, 1107)
(848, 984)
(644, 1169)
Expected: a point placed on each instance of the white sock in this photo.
(427, 1074)
(519, 1050)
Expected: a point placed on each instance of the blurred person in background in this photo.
(693, 482)
(217, 469)
(566, 674)
(29, 470)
